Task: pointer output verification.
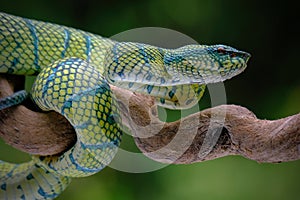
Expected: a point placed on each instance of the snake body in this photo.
(74, 71)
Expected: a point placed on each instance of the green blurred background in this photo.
(270, 87)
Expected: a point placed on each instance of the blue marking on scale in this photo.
(115, 51)
(115, 57)
(83, 169)
(168, 59)
(103, 145)
(88, 47)
(82, 126)
(189, 101)
(175, 80)
(54, 176)
(10, 70)
(35, 43)
(10, 174)
(111, 119)
(29, 176)
(149, 76)
(3, 186)
(149, 88)
(50, 78)
(121, 74)
(19, 187)
(45, 194)
(66, 42)
(199, 90)
(142, 52)
(15, 62)
(67, 105)
(172, 92)
(18, 44)
(130, 84)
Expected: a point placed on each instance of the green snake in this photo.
(74, 72)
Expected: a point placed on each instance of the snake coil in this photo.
(74, 71)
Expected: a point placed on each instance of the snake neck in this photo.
(175, 77)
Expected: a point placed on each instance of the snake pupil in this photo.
(221, 50)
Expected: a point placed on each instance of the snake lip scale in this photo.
(74, 72)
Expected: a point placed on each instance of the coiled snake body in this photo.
(74, 70)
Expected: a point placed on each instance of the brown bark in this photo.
(194, 138)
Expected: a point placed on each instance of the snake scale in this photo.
(74, 72)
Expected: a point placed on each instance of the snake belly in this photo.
(74, 71)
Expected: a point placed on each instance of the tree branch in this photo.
(198, 137)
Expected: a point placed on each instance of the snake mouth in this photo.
(245, 55)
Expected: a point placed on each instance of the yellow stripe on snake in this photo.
(74, 71)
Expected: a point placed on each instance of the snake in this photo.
(74, 72)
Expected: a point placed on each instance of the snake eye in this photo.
(232, 55)
(221, 50)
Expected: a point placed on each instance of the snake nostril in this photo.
(246, 55)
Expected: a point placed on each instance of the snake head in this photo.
(228, 60)
(206, 64)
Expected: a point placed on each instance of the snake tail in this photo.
(13, 100)
(30, 181)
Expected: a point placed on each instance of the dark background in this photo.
(270, 87)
